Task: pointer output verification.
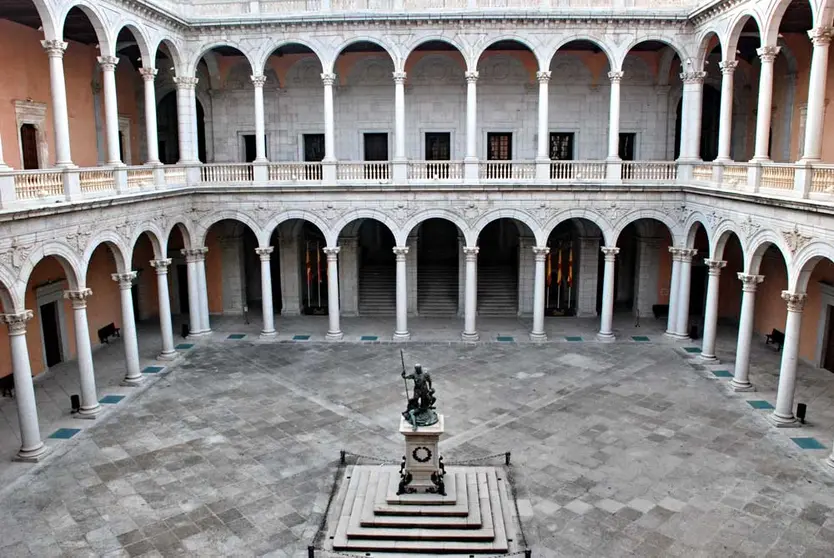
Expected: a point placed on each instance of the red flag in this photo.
(548, 270)
(318, 261)
(570, 266)
(309, 268)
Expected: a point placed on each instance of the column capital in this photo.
(610, 253)
(78, 297)
(686, 254)
(186, 82)
(148, 74)
(471, 253)
(258, 81)
(749, 283)
(821, 36)
(693, 78)
(471, 77)
(17, 322)
(108, 63)
(332, 252)
(615, 77)
(795, 301)
(54, 48)
(265, 253)
(399, 77)
(543, 77)
(540, 252)
(400, 252)
(714, 267)
(193, 255)
(328, 78)
(728, 67)
(125, 280)
(767, 54)
(161, 265)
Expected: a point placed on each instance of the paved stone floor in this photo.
(623, 449)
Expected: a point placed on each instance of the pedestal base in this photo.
(422, 455)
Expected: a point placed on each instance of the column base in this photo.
(32, 455)
(605, 337)
(470, 337)
(677, 336)
(537, 337)
(402, 336)
(88, 414)
(268, 334)
(783, 422)
(202, 333)
(167, 355)
(830, 461)
(334, 336)
(132, 382)
(708, 359)
(741, 386)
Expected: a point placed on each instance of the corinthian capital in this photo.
(768, 53)
(148, 74)
(615, 77)
(54, 49)
(399, 77)
(186, 82)
(328, 78)
(795, 301)
(821, 36)
(258, 81)
(108, 63)
(543, 77)
(696, 78)
(78, 298)
(728, 66)
(16, 322)
(125, 280)
(471, 77)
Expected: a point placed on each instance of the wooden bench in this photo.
(775, 337)
(108, 331)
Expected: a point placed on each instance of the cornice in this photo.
(712, 10)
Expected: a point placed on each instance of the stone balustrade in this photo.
(30, 189)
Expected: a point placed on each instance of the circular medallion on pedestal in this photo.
(421, 454)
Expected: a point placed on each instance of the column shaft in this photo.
(540, 254)
(266, 291)
(614, 116)
(471, 116)
(471, 294)
(821, 38)
(749, 284)
(674, 288)
(606, 326)
(329, 124)
(693, 87)
(260, 127)
(148, 75)
(767, 55)
(334, 332)
(202, 290)
(193, 291)
(84, 354)
(111, 110)
(401, 332)
(60, 115)
(165, 326)
(544, 127)
(186, 118)
(783, 414)
(711, 313)
(399, 116)
(682, 321)
(128, 333)
(725, 119)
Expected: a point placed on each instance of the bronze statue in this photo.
(420, 408)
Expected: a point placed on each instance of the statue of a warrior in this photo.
(420, 408)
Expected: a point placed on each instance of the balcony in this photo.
(41, 188)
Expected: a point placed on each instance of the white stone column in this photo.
(693, 91)
(543, 153)
(111, 110)
(614, 117)
(32, 447)
(725, 119)
(148, 76)
(471, 294)
(60, 116)
(202, 290)
(540, 254)
(348, 275)
(260, 127)
(399, 116)
(606, 326)
(411, 269)
(290, 273)
(783, 415)
(329, 124)
(645, 275)
(767, 55)
(165, 327)
(191, 257)
(84, 353)
(266, 291)
(682, 321)
(711, 314)
(401, 332)
(471, 116)
(674, 288)
(587, 277)
(821, 38)
(186, 119)
(830, 460)
(334, 332)
(133, 376)
(749, 284)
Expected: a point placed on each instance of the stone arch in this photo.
(691, 228)
(758, 245)
(515, 38)
(207, 47)
(304, 72)
(668, 41)
(327, 67)
(703, 51)
(804, 263)
(173, 51)
(657, 215)
(350, 216)
(10, 302)
(268, 230)
(184, 230)
(148, 59)
(232, 215)
(410, 48)
(117, 248)
(664, 66)
(263, 57)
(575, 213)
(48, 18)
(66, 257)
(773, 20)
(506, 213)
(154, 235)
(107, 44)
(436, 68)
(720, 237)
(370, 70)
(734, 30)
(435, 213)
(600, 44)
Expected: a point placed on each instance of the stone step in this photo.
(426, 504)
(422, 498)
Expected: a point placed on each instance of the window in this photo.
(626, 152)
(561, 149)
(376, 149)
(313, 152)
(499, 148)
(438, 148)
(249, 150)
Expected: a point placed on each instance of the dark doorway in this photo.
(438, 148)
(201, 133)
(314, 153)
(51, 333)
(626, 148)
(709, 123)
(121, 146)
(499, 148)
(29, 144)
(438, 247)
(498, 269)
(250, 152)
(168, 130)
(182, 287)
(828, 359)
(561, 146)
(376, 147)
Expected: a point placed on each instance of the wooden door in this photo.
(29, 144)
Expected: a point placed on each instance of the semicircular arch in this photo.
(347, 218)
(207, 47)
(506, 213)
(410, 47)
(476, 58)
(721, 236)
(575, 213)
(805, 261)
(107, 44)
(606, 49)
(435, 213)
(154, 234)
(736, 26)
(289, 215)
(758, 245)
(65, 255)
(209, 221)
(327, 66)
(142, 41)
(263, 56)
(657, 215)
(117, 247)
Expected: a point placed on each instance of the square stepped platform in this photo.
(474, 517)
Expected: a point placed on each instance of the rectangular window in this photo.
(499, 148)
(438, 148)
(313, 153)
(376, 149)
(249, 152)
(626, 152)
(561, 146)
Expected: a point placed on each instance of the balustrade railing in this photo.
(140, 177)
(362, 5)
(650, 171)
(295, 172)
(97, 180)
(368, 171)
(702, 173)
(507, 4)
(735, 175)
(226, 172)
(175, 176)
(36, 184)
(289, 6)
(778, 176)
(435, 170)
(418, 5)
(507, 170)
(577, 170)
(822, 179)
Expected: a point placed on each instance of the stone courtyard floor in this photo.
(618, 449)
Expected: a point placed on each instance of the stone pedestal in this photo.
(422, 455)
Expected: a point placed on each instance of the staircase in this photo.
(497, 291)
(437, 290)
(377, 291)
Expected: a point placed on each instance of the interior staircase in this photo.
(377, 291)
(437, 290)
(497, 291)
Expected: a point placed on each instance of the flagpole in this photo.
(307, 271)
(559, 278)
(318, 270)
(547, 291)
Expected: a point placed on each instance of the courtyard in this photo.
(630, 448)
